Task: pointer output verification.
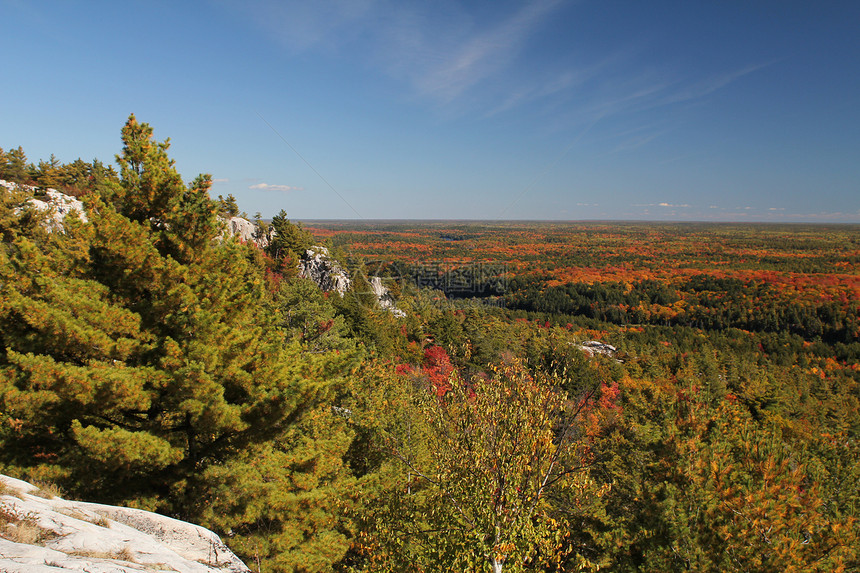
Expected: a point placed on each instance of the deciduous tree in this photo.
(479, 464)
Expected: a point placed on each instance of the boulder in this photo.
(598, 347)
(592, 347)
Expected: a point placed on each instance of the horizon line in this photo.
(574, 221)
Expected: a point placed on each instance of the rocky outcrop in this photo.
(42, 534)
(326, 272)
(592, 347)
(386, 301)
(54, 204)
(245, 230)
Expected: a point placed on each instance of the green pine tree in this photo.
(144, 363)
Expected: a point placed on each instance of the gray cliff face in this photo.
(592, 347)
(317, 265)
(56, 206)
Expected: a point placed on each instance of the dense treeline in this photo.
(77, 178)
(147, 360)
(704, 301)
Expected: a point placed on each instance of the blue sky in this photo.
(723, 110)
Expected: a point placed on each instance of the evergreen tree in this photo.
(149, 181)
(288, 238)
(145, 364)
(228, 206)
(47, 173)
(739, 502)
(14, 166)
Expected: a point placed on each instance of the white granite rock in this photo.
(245, 230)
(54, 204)
(326, 272)
(51, 535)
(386, 301)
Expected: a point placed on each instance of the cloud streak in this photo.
(269, 187)
(474, 59)
(711, 84)
(441, 51)
(461, 58)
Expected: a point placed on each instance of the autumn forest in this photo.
(614, 396)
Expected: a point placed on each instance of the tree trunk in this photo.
(497, 565)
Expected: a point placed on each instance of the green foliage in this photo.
(283, 500)
(228, 206)
(149, 183)
(740, 500)
(479, 465)
(143, 363)
(77, 178)
(288, 239)
(14, 166)
(309, 315)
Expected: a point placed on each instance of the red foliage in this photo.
(602, 412)
(274, 280)
(437, 366)
(403, 369)
(609, 397)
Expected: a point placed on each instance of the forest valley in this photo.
(147, 361)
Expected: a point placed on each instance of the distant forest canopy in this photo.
(761, 277)
(550, 397)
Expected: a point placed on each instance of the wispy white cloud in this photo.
(828, 216)
(662, 204)
(221, 180)
(453, 53)
(440, 50)
(322, 25)
(637, 141)
(476, 57)
(710, 84)
(555, 82)
(268, 187)
(617, 92)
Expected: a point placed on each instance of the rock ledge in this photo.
(50, 535)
